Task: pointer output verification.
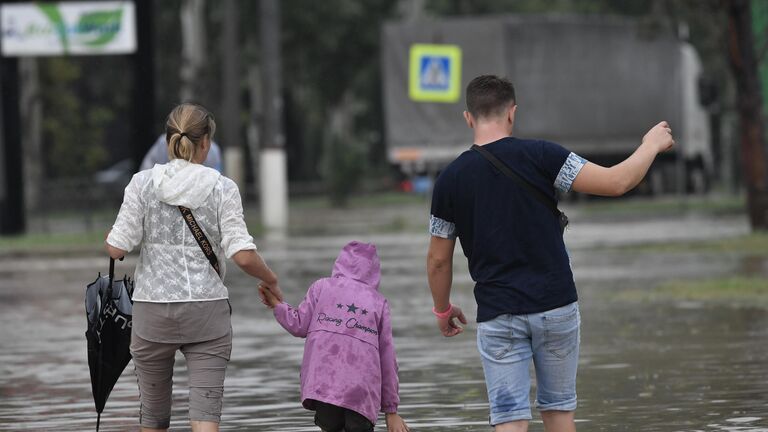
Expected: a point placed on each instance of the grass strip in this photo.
(734, 290)
(665, 206)
(755, 243)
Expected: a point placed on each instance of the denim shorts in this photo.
(507, 344)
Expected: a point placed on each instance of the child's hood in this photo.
(182, 183)
(359, 261)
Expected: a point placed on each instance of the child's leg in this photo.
(329, 418)
(356, 422)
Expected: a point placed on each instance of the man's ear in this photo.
(511, 114)
(468, 118)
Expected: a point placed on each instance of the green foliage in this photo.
(73, 131)
(464, 7)
(344, 167)
(332, 49)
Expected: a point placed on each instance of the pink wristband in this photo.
(443, 315)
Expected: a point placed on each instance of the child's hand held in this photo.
(267, 297)
(395, 423)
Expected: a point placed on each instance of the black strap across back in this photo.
(200, 237)
(549, 202)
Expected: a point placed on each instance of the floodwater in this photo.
(681, 366)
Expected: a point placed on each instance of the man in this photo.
(158, 154)
(525, 293)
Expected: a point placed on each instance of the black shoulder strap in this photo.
(199, 235)
(501, 166)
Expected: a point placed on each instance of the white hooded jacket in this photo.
(172, 267)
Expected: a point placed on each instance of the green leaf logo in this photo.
(103, 26)
(51, 11)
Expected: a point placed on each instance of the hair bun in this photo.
(191, 121)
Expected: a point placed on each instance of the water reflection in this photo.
(644, 367)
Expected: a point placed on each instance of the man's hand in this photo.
(395, 423)
(660, 136)
(448, 326)
(267, 295)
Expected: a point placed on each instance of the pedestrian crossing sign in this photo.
(435, 73)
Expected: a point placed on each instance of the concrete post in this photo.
(274, 190)
(273, 171)
(193, 49)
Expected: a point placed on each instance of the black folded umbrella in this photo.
(108, 307)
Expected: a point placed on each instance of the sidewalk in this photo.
(593, 224)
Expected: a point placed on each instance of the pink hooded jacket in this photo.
(349, 357)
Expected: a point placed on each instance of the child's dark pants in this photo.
(332, 418)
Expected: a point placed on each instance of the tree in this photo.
(751, 132)
(333, 85)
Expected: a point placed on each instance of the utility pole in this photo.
(273, 177)
(749, 106)
(11, 160)
(144, 83)
(31, 132)
(230, 107)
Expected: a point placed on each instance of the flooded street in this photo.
(677, 366)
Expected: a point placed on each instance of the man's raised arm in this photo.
(623, 177)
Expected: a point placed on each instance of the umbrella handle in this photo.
(112, 275)
(111, 270)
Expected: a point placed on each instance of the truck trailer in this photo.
(594, 84)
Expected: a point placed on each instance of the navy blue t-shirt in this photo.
(512, 241)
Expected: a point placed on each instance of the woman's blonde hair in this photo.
(185, 129)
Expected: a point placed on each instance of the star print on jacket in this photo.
(364, 312)
(352, 308)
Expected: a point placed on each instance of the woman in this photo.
(180, 300)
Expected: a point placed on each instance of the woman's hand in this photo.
(252, 263)
(267, 296)
(113, 252)
(273, 288)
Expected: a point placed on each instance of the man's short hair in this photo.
(489, 95)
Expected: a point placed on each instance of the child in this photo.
(349, 371)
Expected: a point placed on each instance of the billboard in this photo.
(68, 28)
